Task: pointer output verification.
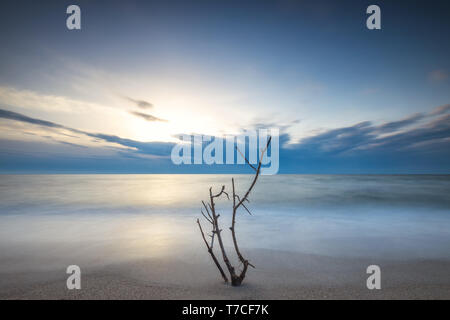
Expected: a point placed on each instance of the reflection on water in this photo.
(55, 219)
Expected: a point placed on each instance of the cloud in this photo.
(438, 75)
(153, 148)
(440, 110)
(396, 125)
(434, 130)
(337, 140)
(415, 144)
(283, 127)
(364, 138)
(140, 103)
(31, 100)
(147, 117)
(361, 148)
(149, 148)
(5, 114)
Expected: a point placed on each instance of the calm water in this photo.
(47, 220)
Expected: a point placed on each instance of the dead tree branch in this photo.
(213, 218)
(211, 252)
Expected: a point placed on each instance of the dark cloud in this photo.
(71, 144)
(337, 140)
(434, 130)
(5, 114)
(360, 148)
(147, 117)
(283, 128)
(140, 103)
(363, 138)
(152, 148)
(266, 124)
(396, 125)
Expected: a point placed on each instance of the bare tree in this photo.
(212, 217)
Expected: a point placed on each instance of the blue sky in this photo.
(112, 96)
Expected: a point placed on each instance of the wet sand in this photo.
(278, 275)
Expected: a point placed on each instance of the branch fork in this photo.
(213, 219)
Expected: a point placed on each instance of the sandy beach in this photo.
(133, 239)
(224, 150)
(278, 275)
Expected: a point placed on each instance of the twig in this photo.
(246, 160)
(211, 252)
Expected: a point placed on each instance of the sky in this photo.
(114, 96)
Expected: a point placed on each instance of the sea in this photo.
(50, 220)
